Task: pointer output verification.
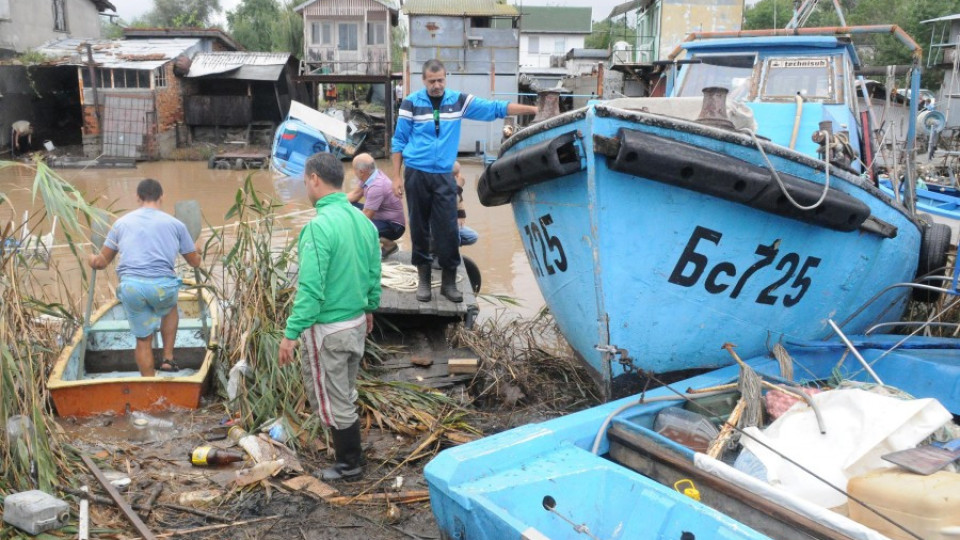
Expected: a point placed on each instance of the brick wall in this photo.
(169, 101)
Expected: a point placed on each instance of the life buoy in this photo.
(934, 245)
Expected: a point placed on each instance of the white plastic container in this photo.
(686, 427)
(928, 506)
(35, 511)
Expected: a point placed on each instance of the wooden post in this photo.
(599, 80)
(388, 100)
(132, 516)
(93, 85)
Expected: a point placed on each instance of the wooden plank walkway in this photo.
(397, 302)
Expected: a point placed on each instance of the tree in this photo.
(182, 13)
(607, 32)
(288, 30)
(875, 49)
(253, 23)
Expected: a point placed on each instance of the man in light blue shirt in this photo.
(149, 240)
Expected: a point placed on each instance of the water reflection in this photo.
(498, 253)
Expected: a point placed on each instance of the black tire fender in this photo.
(934, 245)
(473, 273)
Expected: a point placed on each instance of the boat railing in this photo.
(951, 290)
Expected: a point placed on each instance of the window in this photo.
(376, 34)
(533, 44)
(117, 78)
(808, 76)
(160, 77)
(559, 46)
(59, 16)
(315, 33)
(733, 72)
(326, 33)
(347, 34)
(480, 22)
(4, 9)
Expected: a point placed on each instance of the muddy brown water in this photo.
(499, 252)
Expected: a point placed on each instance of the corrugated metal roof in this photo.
(389, 4)
(587, 53)
(117, 53)
(555, 19)
(252, 66)
(459, 7)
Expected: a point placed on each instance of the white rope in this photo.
(403, 277)
(783, 188)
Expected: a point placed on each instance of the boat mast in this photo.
(806, 8)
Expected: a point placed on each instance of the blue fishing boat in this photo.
(942, 203)
(305, 132)
(614, 471)
(659, 228)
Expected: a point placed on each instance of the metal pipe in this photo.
(893, 29)
(909, 195)
(855, 352)
(796, 122)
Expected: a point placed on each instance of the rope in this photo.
(403, 277)
(783, 188)
(785, 361)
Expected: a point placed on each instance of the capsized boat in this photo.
(105, 378)
(659, 228)
(616, 471)
(305, 132)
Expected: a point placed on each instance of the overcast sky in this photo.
(130, 9)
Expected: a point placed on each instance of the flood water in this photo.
(498, 253)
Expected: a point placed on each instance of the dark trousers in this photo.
(432, 203)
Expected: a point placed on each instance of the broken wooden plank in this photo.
(131, 516)
(312, 485)
(404, 497)
(463, 365)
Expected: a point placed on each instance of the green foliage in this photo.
(875, 49)
(32, 57)
(112, 28)
(266, 25)
(607, 32)
(182, 13)
(252, 24)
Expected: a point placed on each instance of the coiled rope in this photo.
(403, 277)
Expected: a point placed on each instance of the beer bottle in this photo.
(205, 456)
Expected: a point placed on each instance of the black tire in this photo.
(933, 258)
(473, 273)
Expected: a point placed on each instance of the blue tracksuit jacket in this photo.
(416, 137)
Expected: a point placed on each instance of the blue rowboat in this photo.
(657, 229)
(942, 203)
(606, 472)
(305, 132)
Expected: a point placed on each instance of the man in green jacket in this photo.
(338, 291)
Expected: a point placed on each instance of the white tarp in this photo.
(860, 427)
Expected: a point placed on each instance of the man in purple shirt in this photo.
(381, 204)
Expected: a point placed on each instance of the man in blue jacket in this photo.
(426, 140)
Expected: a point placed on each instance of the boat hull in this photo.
(105, 379)
(293, 143)
(492, 488)
(648, 264)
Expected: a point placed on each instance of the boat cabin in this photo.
(779, 78)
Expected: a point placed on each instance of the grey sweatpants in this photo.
(329, 365)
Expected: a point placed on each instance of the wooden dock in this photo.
(394, 302)
(239, 160)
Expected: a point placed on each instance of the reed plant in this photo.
(257, 279)
(35, 319)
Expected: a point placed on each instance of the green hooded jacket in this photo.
(339, 277)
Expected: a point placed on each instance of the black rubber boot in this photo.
(424, 285)
(349, 455)
(448, 285)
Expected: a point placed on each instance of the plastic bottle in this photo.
(142, 420)
(205, 456)
(248, 442)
